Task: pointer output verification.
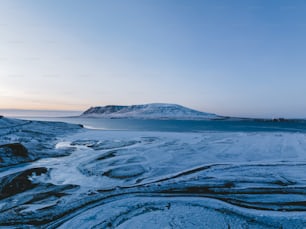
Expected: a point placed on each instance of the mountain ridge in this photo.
(147, 111)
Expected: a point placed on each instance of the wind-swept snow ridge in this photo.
(148, 111)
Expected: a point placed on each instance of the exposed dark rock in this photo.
(105, 110)
(16, 149)
(279, 120)
(88, 143)
(19, 182)
(14, 153)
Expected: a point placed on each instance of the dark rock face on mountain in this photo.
(147, 111)
(104, 110)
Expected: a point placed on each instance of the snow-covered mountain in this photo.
(147, 111)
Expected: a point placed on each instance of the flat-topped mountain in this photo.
(148, 111)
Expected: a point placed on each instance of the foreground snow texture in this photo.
(121, 179)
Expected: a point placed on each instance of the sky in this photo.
(236, 58)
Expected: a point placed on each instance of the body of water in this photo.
(244, 125)
(181, 125)
(15, 113)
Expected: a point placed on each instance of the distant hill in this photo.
(148, 111)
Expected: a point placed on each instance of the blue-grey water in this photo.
(182, 125)
(16, 113)
(159, 125)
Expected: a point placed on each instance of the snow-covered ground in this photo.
(137, 179)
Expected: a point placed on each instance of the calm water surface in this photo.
(182, 125)
(160, 125)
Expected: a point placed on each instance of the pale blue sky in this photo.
(241, 58)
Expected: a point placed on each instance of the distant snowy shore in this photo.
(148, 111)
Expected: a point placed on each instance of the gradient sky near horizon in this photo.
(240, 58)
